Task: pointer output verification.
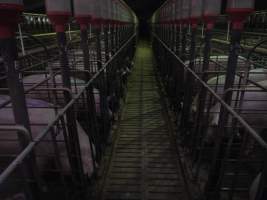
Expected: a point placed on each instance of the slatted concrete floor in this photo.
(144, 163)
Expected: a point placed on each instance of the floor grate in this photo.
(144, 163)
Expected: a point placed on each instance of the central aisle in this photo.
(144, 163)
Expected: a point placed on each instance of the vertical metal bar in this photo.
(228, 30)
(183, 46)
(98, 46)
(69, 32)
(179, 71)
(103, 86)
(106, 40)
(177, 42)
(74, 145)
(202, 30)
(203, 92)
(173, 37)
(85, 49)
(112, 39)
(21, 40)
(118, 37)
(229, 82)
(90, 103)
(18, 100)
(189, 83)
(62, 43)
(261, 190)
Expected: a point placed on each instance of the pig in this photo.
(258, 75)
(41, 113)
(217, 83)
(77, 86)
(250, 109)
(221, 59)
(29, 81)
(255, 75)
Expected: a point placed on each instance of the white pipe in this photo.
(228, 30)
(202, 31)
(90, 31)
(69, 32)
(21, 41)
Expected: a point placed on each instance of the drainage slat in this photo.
(144, 162)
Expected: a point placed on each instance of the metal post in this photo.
(110, 39)
(179, 72)
(189, 83)
(203, 92)
(106, 39)
(98, 46)
(174, 33)
(202, 30)
(90, 96)
(213, 181)
(177, 42)
(118, 37)
(228, 30)
(85, 48)
(16, 92)
(21, 41)
(112, 42)
(103, 89)
(75, 157)
(114, 38)
(183, 50)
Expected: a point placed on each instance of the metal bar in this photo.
(75, 156)
(250, 130)
(21, 116)
(24, 133)
(213, 179)
(183, 46)
(106, 36)
(203, 91)
(60, 114)
(85, 49)
(189, 84)
(21, 40)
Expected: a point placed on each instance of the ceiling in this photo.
(143, 8)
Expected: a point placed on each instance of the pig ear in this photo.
(214, 119)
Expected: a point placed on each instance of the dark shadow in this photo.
(144, 29)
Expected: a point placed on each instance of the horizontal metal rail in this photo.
(250, 130)
(21, 130)
(239, 75)
(246, 47)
